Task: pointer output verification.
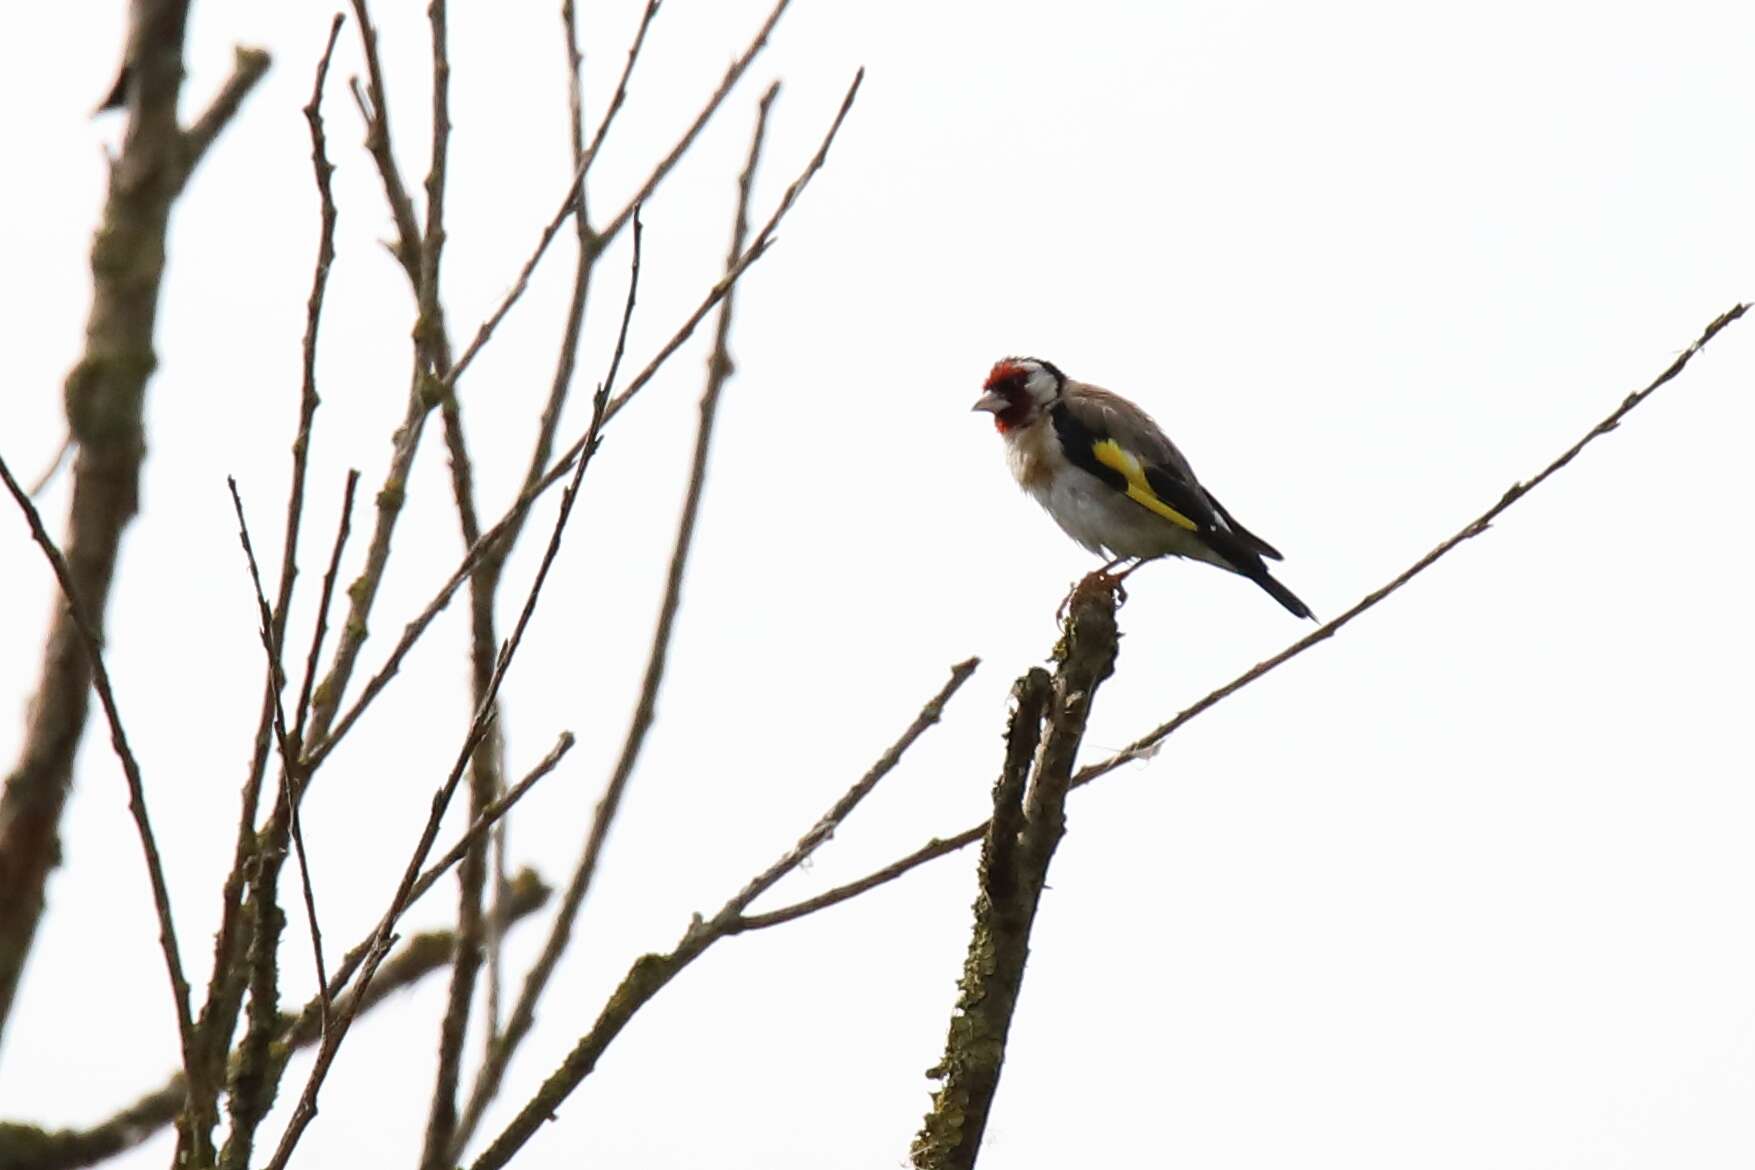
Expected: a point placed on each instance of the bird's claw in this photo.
(1104, 578)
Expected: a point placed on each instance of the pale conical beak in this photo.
(991, 402)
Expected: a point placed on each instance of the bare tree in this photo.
(237, 1038)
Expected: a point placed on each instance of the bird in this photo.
(1111, 479)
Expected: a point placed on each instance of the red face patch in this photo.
(1004, 371)
(1006, 379)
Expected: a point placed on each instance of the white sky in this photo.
(1468, 886)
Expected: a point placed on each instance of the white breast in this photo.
(1088, 510)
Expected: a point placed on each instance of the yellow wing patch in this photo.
(1112, 455)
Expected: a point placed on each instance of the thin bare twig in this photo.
(323, 170)
(589, 246)
(271, 646)
(247, 69)
(586, 154)
(412, 254)
(585, 260)
(733, 74)
(233, 945)
(719, 369)
(491, 816)
(307, 1105)
(764, 239)
(375, 108)
(602, 239)
(343, 529)
(225, 987)
(650, 973)
(100, 677)
(416, 628)
(1144, 746)
(485, 778)
(1145, 743)
(421, 258)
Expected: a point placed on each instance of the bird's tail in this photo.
(1280, 593)
(1238, 555)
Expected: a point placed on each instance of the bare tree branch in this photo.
(247, 70)
(309, 399)
(493, 564)
(105, 393)
(732, 75)
(1026, 827)
(78, 615)
(589, 246)
(719, 369)
(586, 153)
(485, 780)
(375, 107)
(411, 254)
(225, 986)
(491, 816)
(764, 238)
(271, 646)
(324, 600)
(650, 973)
(1146, 743)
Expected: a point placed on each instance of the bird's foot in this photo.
(1105, 578)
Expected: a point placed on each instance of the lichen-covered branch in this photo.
(1027, 825)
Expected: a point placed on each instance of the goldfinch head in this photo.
(1018, 390)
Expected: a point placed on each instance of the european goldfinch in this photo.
(1109, 477)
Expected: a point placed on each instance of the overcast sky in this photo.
(1468, 886)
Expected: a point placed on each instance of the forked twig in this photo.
(602, 239)
(325, 598)
(288, 751)
(490, 816)
(225, 987)
(650, 973)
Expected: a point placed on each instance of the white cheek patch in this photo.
(1042, 386)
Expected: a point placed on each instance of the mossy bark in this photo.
(1047, 724)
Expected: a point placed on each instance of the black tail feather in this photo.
(1280, 593)
(1240, 553)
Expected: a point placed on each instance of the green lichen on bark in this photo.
(1046, 727)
